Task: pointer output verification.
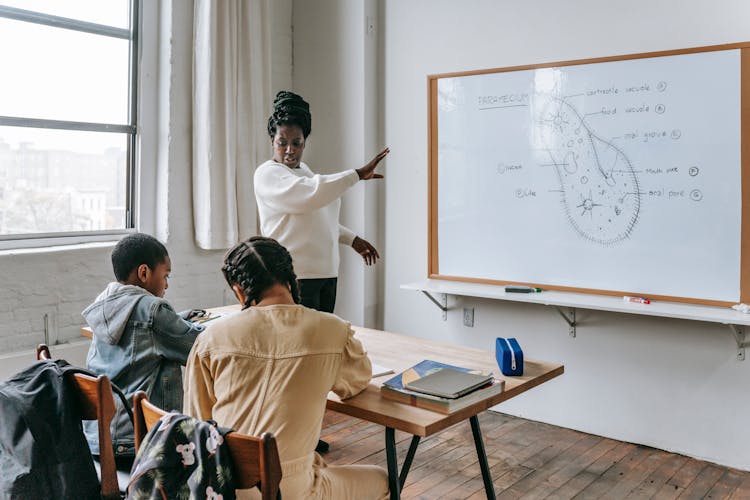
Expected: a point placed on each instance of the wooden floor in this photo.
(532, 460)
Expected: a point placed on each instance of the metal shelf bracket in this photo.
(742, 342)
(570, 320)
(442, 303)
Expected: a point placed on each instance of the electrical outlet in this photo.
(468, 316)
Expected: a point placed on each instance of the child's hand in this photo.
(195, 314)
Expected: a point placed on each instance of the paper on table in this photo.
(378, 370)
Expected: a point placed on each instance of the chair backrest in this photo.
(255, 460)
(96, 403)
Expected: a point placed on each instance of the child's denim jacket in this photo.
(140, 343)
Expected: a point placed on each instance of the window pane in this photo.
(109, 12)
(60, 74)
(61, 181)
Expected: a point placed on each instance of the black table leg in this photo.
(407, 462)
(390, 455)
(489, 488)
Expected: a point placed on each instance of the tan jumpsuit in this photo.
(269, 369)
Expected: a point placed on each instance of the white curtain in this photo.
(231, 105)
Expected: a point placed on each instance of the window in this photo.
(67, 117)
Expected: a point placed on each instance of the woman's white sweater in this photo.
(300, 210)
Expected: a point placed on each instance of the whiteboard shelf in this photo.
(694, 312)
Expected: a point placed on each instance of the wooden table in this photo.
(401, 352)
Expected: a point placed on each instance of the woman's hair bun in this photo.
(290, 109)
(290, 102)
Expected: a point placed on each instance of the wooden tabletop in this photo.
(401, 352)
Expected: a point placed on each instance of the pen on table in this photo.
(639, 300)
(208, 318)
(522, 289)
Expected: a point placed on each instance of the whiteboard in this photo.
(622, 176)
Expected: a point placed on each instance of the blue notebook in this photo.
(421, 369)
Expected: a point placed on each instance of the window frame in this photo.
(133, 36)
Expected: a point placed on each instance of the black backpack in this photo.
(43, 452)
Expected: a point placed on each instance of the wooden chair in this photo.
(97, 403)
(255, 460)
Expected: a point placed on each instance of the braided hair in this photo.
(257, 264)
(290, 109)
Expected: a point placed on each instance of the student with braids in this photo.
(300, 209)
(269, 368)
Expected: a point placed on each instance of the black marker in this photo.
(522, 289)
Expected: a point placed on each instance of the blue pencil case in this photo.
(509, 356)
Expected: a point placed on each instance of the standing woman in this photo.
(300, 209)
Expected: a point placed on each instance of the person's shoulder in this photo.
(227, 334)
(269, 163)
(159, 308)
(269, 166)
(230, 324)
(331, 323)
(269, 172)
(330, 317)
(157, 301)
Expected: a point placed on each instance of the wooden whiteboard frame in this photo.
(433, 270)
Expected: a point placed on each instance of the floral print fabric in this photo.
(182, 458)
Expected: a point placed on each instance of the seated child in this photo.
(139, 341)
(269, 368)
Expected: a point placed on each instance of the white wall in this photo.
(73, 352)
(671, 384)
(335, 60)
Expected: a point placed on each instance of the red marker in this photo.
(639, 300)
